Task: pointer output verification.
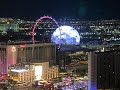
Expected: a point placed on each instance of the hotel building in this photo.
(26, 53)
(104, 70)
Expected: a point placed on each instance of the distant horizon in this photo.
(34, 18)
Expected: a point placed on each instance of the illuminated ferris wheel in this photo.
(63, 35)
(43, 23)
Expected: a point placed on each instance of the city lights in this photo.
(60, 45)
(68, 67)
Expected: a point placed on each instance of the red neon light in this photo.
(4, 76)
(22, 46)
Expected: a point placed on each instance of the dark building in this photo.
(62, 59)
(104, 70)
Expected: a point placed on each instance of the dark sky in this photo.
(84, 9)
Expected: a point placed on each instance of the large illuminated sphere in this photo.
(66, 35)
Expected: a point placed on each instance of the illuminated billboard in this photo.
(38, 72)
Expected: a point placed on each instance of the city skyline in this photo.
(59, 45)
(84, 9)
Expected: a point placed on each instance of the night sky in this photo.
(83, 9)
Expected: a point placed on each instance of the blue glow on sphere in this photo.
(66, 35)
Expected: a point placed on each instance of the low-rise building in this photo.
(34, 72)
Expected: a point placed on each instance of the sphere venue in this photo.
(66, 35)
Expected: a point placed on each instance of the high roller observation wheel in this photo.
(40, 20)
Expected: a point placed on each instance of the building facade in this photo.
(52, 72)
(27, 53)
(104, 70)
(34, 72)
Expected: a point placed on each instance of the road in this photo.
(24, 88)
(79, 67)
(76, 86)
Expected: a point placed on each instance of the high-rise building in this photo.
(104, 70)
(26, 53)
